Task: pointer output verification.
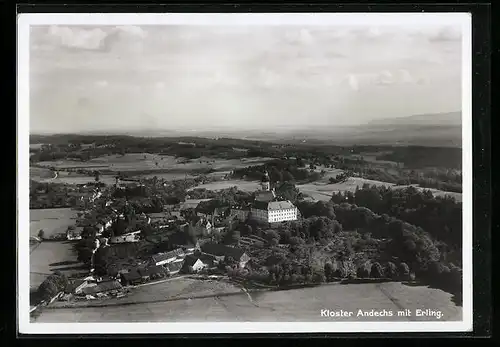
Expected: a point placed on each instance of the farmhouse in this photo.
(221, 251)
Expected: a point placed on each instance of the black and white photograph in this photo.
(244, 173)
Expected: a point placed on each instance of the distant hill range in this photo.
(445, 119)
(433, 130)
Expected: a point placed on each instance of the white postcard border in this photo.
(400, 19)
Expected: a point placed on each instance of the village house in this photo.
(220, 252)
(175, 214)
(159, 217)
(203, 227)
(196, 263)
(161, 259)
(152, 272)
(76, 286)
(190, 248)
(102, 288)
(129, 237)
(132, 277)
(74, 234)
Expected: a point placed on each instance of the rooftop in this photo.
(159, 215)
(273, 205)
(280, 205)
(131, 275)
(205, 258)
(265, 196)
(102, 287)
(164, 256)
(73, 285)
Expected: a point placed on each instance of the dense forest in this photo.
(279, 171)
(441, 217)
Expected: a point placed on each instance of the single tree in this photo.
(391, 270)
(376, 270)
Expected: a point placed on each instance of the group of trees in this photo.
(280, 170)
(289, 273)
(445, 179)
(441, 217)
(335, 270)
(50, 195)
(419, 157)
(53, 285)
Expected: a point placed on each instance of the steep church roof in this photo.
(265, 196)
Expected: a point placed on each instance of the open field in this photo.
(52, 221)
(48, 256)
(41, 174)
(291, 305)
(154, 162)
(247, 186)
(323, 191)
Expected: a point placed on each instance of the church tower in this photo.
(266, 182)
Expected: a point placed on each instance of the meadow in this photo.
(49, 256)
(287, 306)
(53, 221)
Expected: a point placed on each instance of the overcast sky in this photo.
(85, 78)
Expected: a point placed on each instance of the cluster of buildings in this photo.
(266, 208)
(92, 287)
(190, 259)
